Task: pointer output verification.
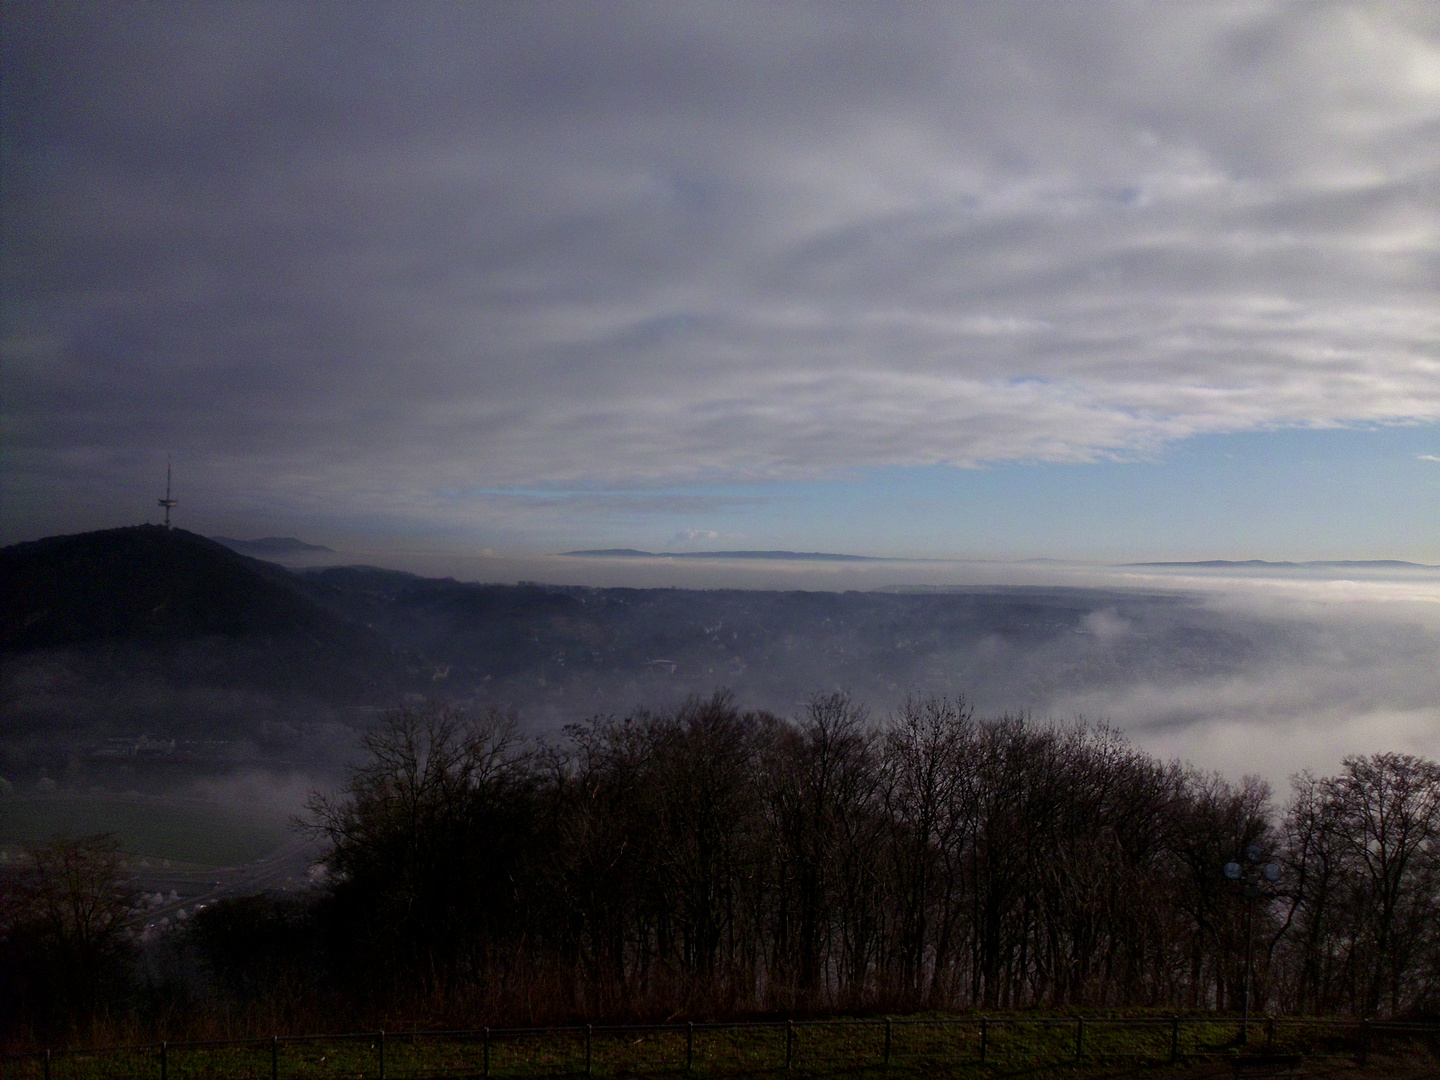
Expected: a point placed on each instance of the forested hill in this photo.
(152, 583)
(117, 623)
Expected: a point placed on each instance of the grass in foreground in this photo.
(917, 1047)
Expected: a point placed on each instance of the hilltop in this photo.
(148, 583)
(143, 629)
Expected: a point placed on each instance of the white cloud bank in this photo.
(1333, 666)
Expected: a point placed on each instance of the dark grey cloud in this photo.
(347, 259)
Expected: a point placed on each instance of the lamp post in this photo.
(1251, 875)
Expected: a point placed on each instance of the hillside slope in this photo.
(140, 629)
(558, 653)
(146, 582)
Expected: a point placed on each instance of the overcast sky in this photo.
(1083, 280)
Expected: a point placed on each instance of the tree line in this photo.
(711, 861)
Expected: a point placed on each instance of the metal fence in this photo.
(916, 1044)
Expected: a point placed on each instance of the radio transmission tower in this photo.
(167, 502)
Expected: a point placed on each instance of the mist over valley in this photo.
(138, 659)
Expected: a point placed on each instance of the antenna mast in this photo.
(167, 502)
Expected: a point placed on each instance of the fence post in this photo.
(487, 1054)
(1364, 1042)
(689, 1046)
(589, 1033)
(1174, 1039)
(1079, 1038)
(1270, 1034)
(274, 1057)
(47, 1063)
(164, 1059)
(984, 1037)
(887, 1042)
(789, 1043)
(382, 1054)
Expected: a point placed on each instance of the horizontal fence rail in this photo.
(917, 1044)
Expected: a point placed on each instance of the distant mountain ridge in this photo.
(270, 545)
(635, 553)
(1320, 563)
(826, 556)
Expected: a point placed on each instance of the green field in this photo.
(181, 832)
(1033, 1048)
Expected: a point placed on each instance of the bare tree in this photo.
(1388, 820)
(820, 801)
(67, 921)
(425, 839)
(1315, 906)
(925, 765)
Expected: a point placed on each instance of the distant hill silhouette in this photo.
(1388, 564)
(782, 556)
(271, 545)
